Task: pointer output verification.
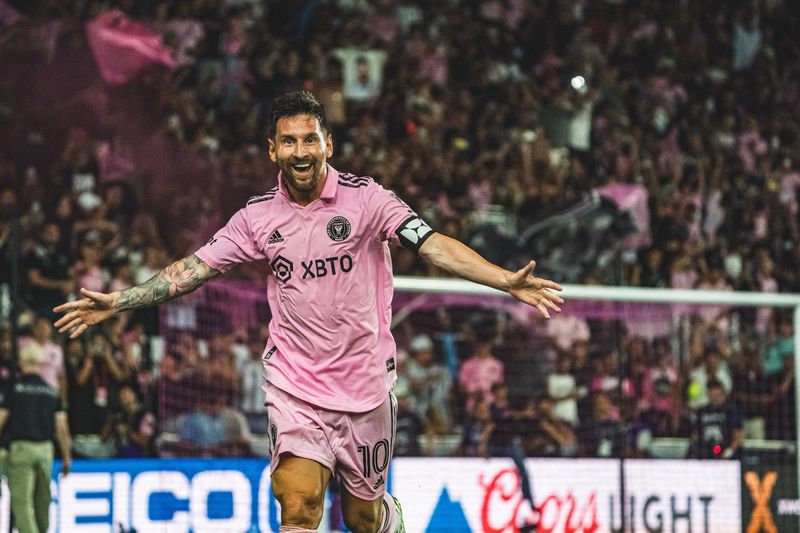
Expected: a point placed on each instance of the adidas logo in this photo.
(378, 483)
(276, 238)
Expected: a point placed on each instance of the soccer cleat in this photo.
(401, 527)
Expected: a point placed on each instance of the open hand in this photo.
(536, 292)
(80, 314)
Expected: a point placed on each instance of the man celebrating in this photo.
(330, 359)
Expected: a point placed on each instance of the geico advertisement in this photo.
(164, 496)
(438, 495)
(570, 496)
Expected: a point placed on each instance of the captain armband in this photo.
(413, 233)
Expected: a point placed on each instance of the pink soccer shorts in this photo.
(357, 447)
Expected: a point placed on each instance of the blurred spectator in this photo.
(251, 373)
(213, 428)
(202, 430)
(430, 384)
(558, 436)
(479, 373)
(508, 423)
(781, 347)
(131, 426)
(717, 427)
(88, 271)
(754, 394)
(8, 366)
(479, 426)
(52, 364)
(781, 416)
(408, 430)
(92, 385)
(563, 390)
(659, 389)
(712, 368)
(409, 424)
(601, 435)
(47, 273)
(606, 377)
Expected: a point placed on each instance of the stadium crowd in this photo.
(467, 110)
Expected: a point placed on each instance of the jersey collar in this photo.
(328, 190)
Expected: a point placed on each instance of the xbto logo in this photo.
(318, 268)
(313, 268)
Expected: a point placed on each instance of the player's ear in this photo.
(328, 144)
(271, 148)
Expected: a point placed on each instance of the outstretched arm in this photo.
(179, 278)
(459, 259)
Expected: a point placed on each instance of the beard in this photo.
(304, 181)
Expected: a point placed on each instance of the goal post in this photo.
(634, 294)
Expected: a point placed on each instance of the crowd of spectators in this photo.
(467, 110)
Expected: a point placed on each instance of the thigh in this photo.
(20, 471)
(44, 468)
(364, 450)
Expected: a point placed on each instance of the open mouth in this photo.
(302, 168)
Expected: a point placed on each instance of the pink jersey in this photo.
(330, 290)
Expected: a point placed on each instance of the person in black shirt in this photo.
(91, 387)
(408, 430)
(754, 394)
(32, 415)
(47, 273)
(717, 427)
(8, 366)
(600, 436)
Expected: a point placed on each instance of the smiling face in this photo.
(300, 148)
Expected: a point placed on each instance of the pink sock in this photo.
(390, 519)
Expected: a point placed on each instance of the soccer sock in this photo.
(294, 529)
(390, 518)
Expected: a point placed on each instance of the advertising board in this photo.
(438, 495)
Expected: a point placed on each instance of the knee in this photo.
(300, 509)
(364, 519)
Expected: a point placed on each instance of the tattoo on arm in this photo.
(178, 279)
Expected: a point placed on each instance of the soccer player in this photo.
(330, 359)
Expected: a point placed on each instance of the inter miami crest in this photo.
(338, 229)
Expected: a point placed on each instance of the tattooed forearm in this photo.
(179, 278)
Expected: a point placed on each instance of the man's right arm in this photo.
(179, 278)
(63, 439)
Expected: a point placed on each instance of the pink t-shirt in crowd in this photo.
(330, 289)
(52, 361)
(478, 375)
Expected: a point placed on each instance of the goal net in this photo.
(686, 398)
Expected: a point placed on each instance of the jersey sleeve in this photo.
(231, 245)
(396, 221)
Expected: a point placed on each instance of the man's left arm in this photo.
(462, 261)
(4, 413)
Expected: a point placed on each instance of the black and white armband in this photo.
(413, 233)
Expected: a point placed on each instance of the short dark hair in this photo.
(297, 103)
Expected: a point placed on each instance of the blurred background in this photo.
(618, 142)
